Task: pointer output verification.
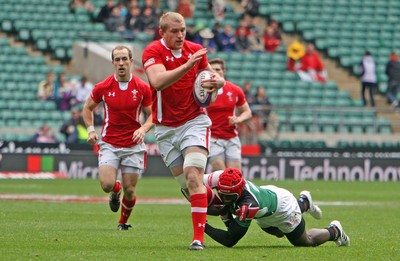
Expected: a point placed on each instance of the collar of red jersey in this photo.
(115, 77)
(175, 53)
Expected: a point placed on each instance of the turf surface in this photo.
(37, 230)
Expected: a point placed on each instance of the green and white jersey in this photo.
(261, 202)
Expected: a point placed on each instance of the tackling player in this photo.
(225, 149)
(182, 130)
(275, 210)
(121, 146)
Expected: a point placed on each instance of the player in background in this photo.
(182, 130)
(121, 146)
(275, 210)
(225, 151)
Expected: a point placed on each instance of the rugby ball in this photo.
(200, 94)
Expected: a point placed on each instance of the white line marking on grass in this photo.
(90, 199)
(147, 200)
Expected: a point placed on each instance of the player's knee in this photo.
(106, 186)
(195, 159)
(129, 191)
(194, 181)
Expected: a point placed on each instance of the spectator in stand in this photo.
(84, 4)
(227, 39)
(242, 43)
(205, 37)
(256, 41)
(105, 11)
(185, 8)
(309, 67)
(83, 89)
(247, 89)
(263, 109)
(148, 21)
(150, 4)
(172, 5)
(132, 3)
(250, 9)
(46, 88)
(44, 135)
(368, 77)
(66, 93)
(271, 39)
(218, 9)
(123, 10)
(275, 26)
(74, 129)
(115, 22)
(216, 30)
(243, 24)
(295, 52)
(190, 32)
(393, 73)
(132, 21)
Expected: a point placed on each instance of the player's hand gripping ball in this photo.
(201, 96)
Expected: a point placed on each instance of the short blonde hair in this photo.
(121, 47)
(169, 17)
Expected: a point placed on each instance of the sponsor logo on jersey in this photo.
(111, 94)
(167, 58)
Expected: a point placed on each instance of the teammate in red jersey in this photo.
(121, 146)
(225, 149)
(182, 129)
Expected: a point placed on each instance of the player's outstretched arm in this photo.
(227, 238)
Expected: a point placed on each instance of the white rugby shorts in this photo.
(227, 150)
(173, 140)
(288, 214)
(125, 158)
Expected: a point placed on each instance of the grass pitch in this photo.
(37, 230)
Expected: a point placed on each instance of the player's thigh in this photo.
(165, 137)
(195, 133)
(108, 164)
(107, 175)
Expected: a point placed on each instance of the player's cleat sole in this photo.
(343, 239)
(114, 200)
(313, 210)
(197, 245)
(123, 226)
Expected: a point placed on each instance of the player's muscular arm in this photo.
(227, 238)
(160, 78)
(139, 134)
(244, 114)
(87, 115)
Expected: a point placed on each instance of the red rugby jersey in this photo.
(174, 105)
(123, 104)
(232, 96)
